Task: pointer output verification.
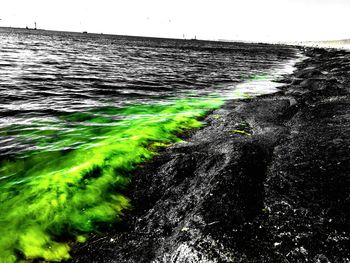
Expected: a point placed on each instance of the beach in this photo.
(265, 180)
(81, 112)
(135, 149)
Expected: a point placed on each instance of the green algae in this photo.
(243, 128)
(261, 76)
(242, 132)
(71, 182)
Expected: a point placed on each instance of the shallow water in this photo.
(44, 76)
(80, 112)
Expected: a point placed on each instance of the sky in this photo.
(247, 20)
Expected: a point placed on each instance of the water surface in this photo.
(80, 112)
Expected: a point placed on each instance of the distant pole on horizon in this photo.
(35, 25)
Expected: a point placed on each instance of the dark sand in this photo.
(280, 194)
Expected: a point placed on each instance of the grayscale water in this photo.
(48, 74)
(80, 112)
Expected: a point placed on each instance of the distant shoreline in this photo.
(86, 33)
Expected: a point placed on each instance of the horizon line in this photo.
(277, 42)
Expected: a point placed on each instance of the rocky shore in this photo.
(266, 180)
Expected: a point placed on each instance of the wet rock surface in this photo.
(266, 180)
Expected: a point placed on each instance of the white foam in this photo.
(263, 85)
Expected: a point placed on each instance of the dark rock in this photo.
(276, 191)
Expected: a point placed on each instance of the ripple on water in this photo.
(80, 112)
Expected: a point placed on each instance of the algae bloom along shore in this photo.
(79, 119)
(49, 193)
(134, 149)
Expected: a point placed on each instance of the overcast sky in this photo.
(254, 20)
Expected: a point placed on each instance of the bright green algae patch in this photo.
(71, 185)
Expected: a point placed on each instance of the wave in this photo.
(59, 191)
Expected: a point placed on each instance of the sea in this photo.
(79, 112)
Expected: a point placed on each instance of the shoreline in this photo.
(71, 141)
(275, 192)
(136, 37)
